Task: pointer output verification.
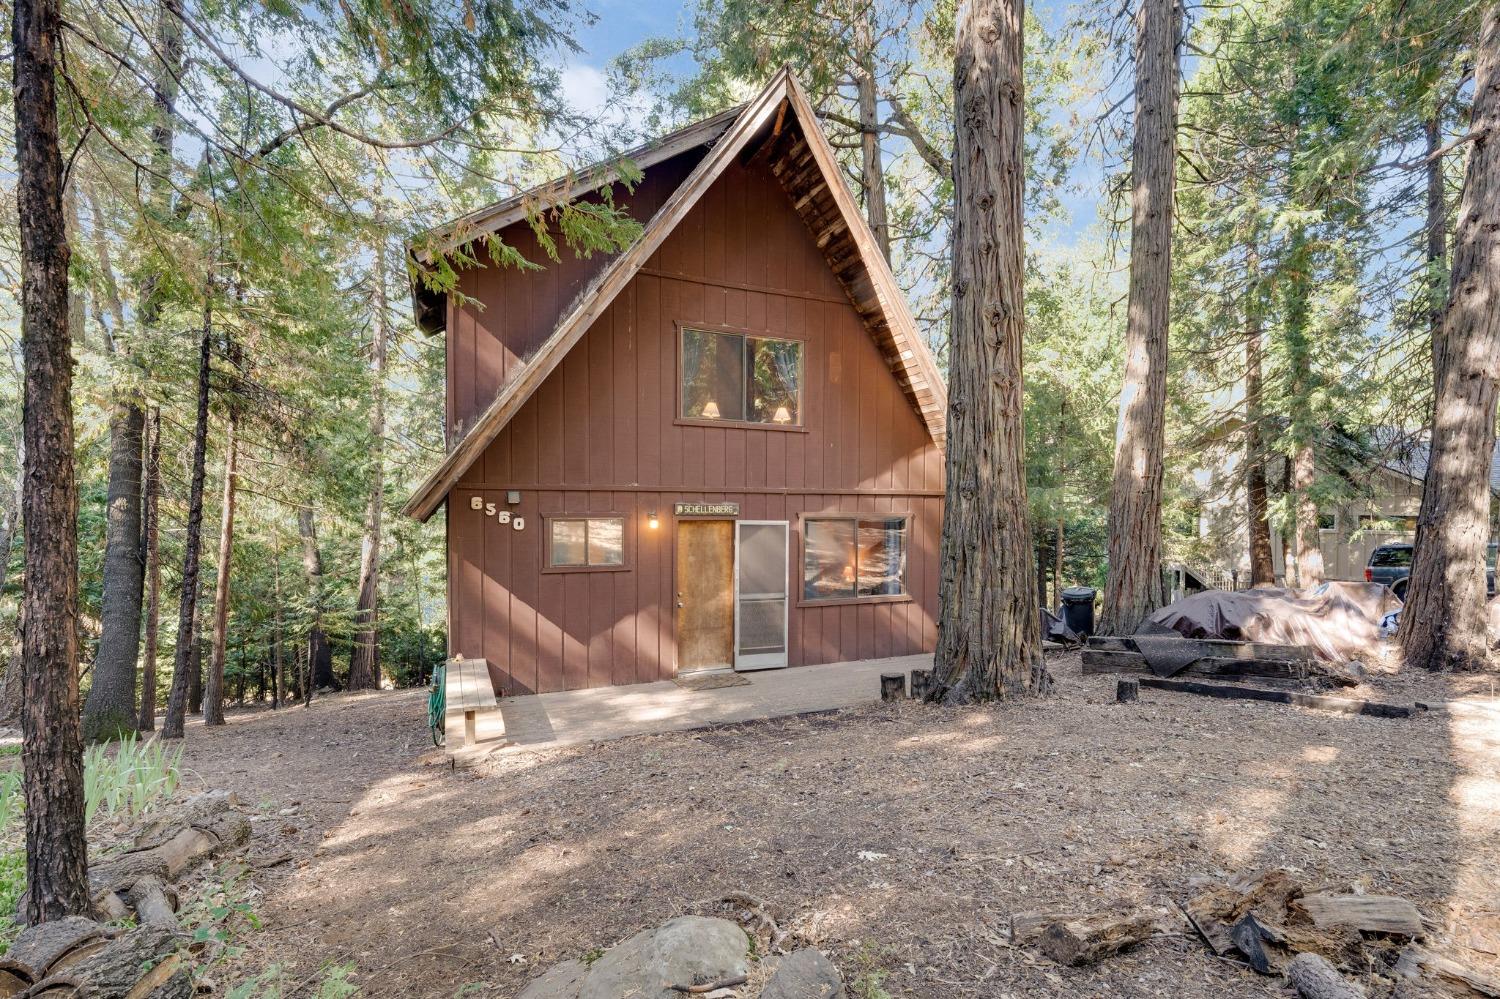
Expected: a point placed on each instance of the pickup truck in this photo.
(1391, 564)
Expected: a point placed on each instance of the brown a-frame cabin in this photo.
(718, 449)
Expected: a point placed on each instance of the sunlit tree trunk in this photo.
(319, 655)
(1443, 623)
(52, 735)
(1133, 588)
(183, 667)
(364, 661)
(151, 526)
(213, 685)
(989, 641)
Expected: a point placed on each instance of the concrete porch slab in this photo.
(544, 721)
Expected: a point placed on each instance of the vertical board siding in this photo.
(601, 435)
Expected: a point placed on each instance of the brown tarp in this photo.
(1339, 621)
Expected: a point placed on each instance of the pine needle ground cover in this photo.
(900, 839)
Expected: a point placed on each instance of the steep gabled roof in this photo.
(779, 125)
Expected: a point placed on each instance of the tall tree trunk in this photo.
(152, 524)
(364, 661)
(1258, 507)
(319, 655)
(872, 169)
(52, 736)
(1057, 567)
(1443, 624)
(111, 706)
(110, 709)
(989, 639)
(187, 607)
(1133, 588)
(195, 660)
(278, 651)
(213, 687)
(1307, 547)
(1437, 235)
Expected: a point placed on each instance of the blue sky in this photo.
(621, 24)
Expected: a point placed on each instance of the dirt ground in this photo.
(900, 839)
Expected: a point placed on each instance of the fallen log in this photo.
(155, 904)
(147, 961)
(1314, 978)
(1386, 914)
(1101, 661)
(39, 947)
(1087, 939)
(1322, 702)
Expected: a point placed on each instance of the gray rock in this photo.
(688, 950)
(804, 974)
(561, 981)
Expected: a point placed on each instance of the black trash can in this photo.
(1078, 609)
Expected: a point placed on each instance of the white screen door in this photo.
(760, 594)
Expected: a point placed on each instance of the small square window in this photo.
(586, 542)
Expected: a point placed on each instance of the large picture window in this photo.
(849, 558)
(737, 378)
(586, 543)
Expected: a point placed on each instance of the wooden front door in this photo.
(705, 594)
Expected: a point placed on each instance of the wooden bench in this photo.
(468, 691)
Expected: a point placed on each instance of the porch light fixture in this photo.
(783, 415)
(711, 411)
(651, 520)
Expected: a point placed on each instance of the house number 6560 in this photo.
(502, 516)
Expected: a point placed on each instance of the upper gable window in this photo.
(738, 378)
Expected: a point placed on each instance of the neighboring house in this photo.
(720, 448)
(1384, 483)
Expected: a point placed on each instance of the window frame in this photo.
(625, 546)
(679, 418)
(882, 598)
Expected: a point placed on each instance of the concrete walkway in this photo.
(543, 721)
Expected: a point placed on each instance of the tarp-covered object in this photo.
(1339, 621)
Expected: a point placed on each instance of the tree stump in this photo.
(1127, 691)
(921, 682)
(892, 686)
(1314, 978)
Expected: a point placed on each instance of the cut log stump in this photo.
(921, 682)
(1127, 691)
(892, 686)
(1314, 978)
(1089, 939)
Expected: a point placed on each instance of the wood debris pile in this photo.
(1318, 939)
(1324, 943)
(77, 956)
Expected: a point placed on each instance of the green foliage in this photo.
(128, 778)
(333, 982)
